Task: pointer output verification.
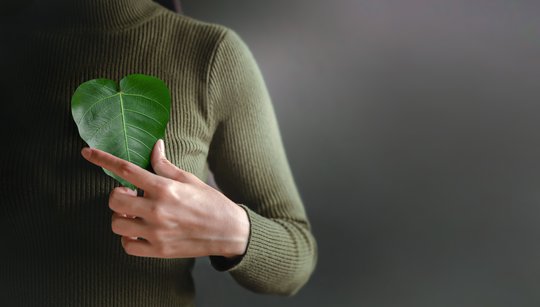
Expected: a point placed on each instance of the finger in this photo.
(163, 167)
(128, 227)
(122, 168)
(129, 203)
(140, 248)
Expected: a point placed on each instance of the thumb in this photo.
(162, 166)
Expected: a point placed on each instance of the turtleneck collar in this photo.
(87, 14)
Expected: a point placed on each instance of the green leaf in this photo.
(126, 121)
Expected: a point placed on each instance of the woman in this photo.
(58, 210)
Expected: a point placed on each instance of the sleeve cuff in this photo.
(223, 264)
(266, 251)
(273, 258)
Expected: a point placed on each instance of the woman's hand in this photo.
(179, 215)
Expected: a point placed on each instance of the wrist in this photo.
(238, 234)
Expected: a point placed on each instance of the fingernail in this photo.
(161, 147)
(85, 152)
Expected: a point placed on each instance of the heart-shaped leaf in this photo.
(126, 121)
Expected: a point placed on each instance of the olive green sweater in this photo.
(57, 245)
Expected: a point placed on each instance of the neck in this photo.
(94, 14)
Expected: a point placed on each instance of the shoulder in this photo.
(191, 33)
(216, 47)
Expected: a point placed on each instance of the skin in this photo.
(179, 215)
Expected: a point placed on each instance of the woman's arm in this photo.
(249, 164)
(255, 228)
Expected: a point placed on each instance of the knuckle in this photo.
(132, 246)
(115, 227)
(158, 213)
(127, 244)
(114, 198)
(167, 188)
(114, 194)
(125, 170)
(112, 203)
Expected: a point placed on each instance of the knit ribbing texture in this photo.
(58, 247)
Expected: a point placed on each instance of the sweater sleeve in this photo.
(249, 164)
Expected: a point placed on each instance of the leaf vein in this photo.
(89, 108)
(125, 129)
(150, 134)
(133, 111)
(138, 154)
(97, 130)
(141, 142)
(148, 98)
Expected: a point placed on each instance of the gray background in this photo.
(412, 128)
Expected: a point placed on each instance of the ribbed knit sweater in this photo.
(57, 246)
